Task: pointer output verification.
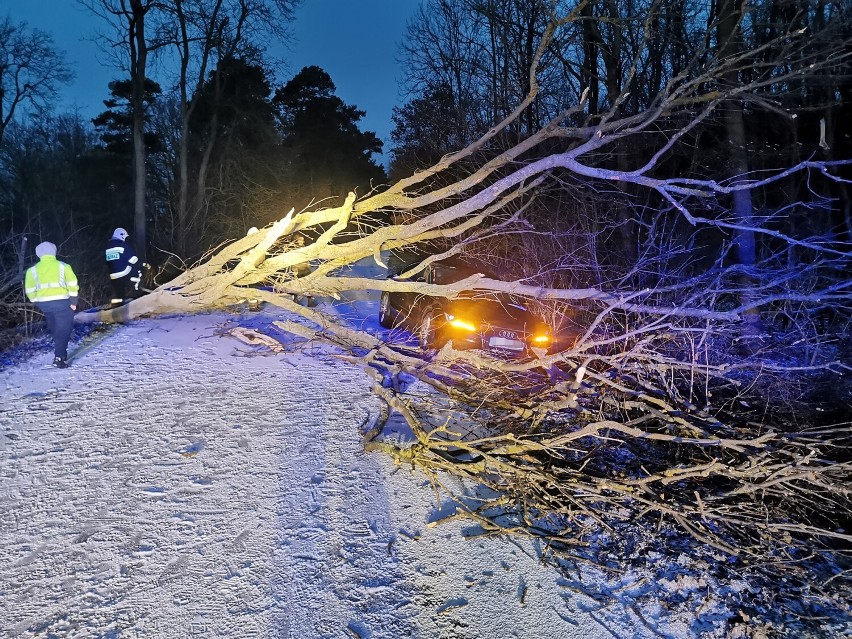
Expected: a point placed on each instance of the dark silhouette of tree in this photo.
(204, 35)
(234, 139)
(425, 129)
(130, 44)
(31, 70)
(113, 162)
(194, 36)
(328, 153)
(43, 194)
(115, 125)
(233, 109)
(729, 19)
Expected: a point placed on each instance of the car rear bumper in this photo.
(495, 344)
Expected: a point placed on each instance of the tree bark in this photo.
(138, 64)
(731, 14)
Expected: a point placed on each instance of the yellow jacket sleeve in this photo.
(29, 283)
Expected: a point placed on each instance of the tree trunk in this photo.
(589, 69)
(730, 43)
(208, 36)
(138, 59)
(183, 148)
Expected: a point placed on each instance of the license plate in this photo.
(509, 344)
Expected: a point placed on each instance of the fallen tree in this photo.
(661, 410)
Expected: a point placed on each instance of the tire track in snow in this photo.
(334, 538)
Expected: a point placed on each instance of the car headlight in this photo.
(457, 322)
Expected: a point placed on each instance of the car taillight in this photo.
(541, 339)
(456, 322)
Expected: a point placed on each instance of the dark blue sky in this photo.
(354, 40)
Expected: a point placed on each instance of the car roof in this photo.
(405, 260)
(464, 265)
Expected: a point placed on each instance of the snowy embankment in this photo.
(177, 482)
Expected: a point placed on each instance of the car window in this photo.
(503, 299)
(443, 274)
(451, 273)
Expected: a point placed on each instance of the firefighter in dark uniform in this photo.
(125, 269)
(52, 286)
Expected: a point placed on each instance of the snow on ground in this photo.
(176, 482)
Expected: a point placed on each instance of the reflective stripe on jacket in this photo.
(49, 280)
(120, 259)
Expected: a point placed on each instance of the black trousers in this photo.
(127, 287)
(60, 321)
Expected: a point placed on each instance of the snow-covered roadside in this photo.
(176, 482)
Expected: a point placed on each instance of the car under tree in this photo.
(488, 321)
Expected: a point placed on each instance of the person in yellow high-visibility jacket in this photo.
(52, 286)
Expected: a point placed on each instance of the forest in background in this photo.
(225, 144)
(667, 180)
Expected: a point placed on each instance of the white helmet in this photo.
(45, 248)
(119, 234)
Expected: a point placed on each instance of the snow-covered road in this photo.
(175, 482)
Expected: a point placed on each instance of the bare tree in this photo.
(204, 33)
(198, 35)
(31, 70)
(129, 46)
(480, 51)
